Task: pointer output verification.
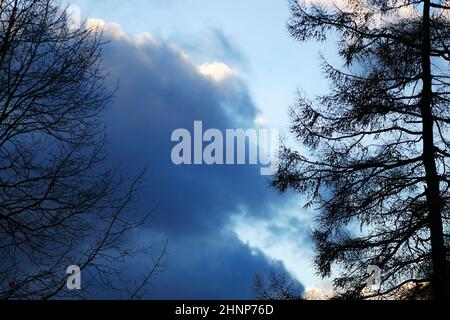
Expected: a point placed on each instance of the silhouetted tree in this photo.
(279, 285)
(59, 206)
(377, 160)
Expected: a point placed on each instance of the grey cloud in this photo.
(160, 90)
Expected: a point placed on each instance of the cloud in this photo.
(283, 236)
(160, 90)
(261, 122)
(212, 43)
(318, 294)
(226, 48)
(218, 269)
(218, 71)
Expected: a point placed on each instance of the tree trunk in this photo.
(434, 199)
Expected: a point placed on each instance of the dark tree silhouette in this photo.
(279, 285)
(59, 206)
(376, 166)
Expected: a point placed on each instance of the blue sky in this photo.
(223, 224)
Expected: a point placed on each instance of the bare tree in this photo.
(59, 206)
(279, 285)
(377, 161)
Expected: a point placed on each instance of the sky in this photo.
(230, 64)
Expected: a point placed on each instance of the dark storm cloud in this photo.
(161, 90)
(220, 268)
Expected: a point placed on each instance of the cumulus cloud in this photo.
(160, 90)
(217, 71)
